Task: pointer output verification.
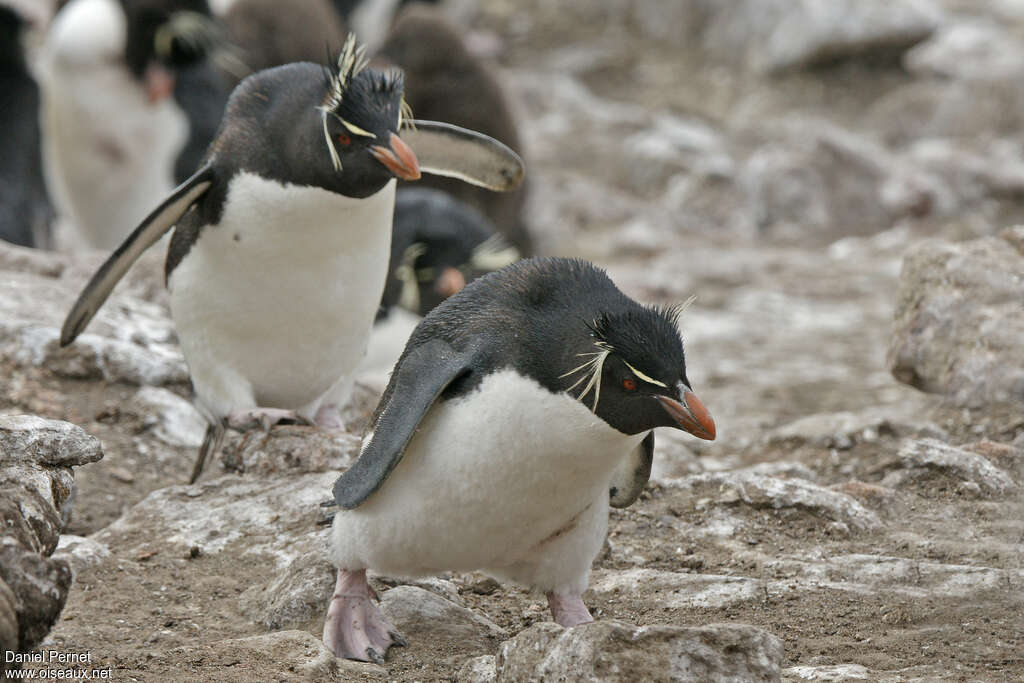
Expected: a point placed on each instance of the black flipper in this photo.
(149, 231)
(422, 374)
(454, 152)
(631, 476)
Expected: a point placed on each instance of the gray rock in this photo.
(292, 449)
(419, 614)
(29, 260)
(780, 35)
(676, 589)
(928, 456)
(837, 673)
(843, 430)
(80, 552)
(615, 651)
(482, 669)
(40, 585)
(29, 438)
(959, 326)
(758, 491)
(8, 622)
(174, 420)
(299, 595)
(979, 49)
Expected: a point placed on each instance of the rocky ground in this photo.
(844, 525)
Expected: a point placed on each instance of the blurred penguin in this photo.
(25, 213)
(130, 102)
(372, 19)
(266, 36)
(445, 82)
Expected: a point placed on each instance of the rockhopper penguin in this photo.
(520, 409)
(277, 264)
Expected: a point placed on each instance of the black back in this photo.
(543, 317)
(25, 211)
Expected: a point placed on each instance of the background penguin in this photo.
(505, 426)
(130, 102)
(438, 244)
(448, 83)
(371, 19)
(277, 264)
(25, 212)
(268, 36)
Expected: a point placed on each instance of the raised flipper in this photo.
(149, 231)
(418, 379)
(632, 474)
(454, 152)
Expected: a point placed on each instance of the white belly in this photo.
(483, 491)
(275, 303)
(108, 152)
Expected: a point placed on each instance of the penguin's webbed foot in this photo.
(328, 417)
(568, 610)
(263, 418)
(355, 627)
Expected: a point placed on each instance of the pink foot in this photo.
(329, 417)
(355, 628)
(264, 418)
(568, 610)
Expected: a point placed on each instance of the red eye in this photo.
(629, 384)
(344, 139)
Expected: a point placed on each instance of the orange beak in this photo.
(398, 158)
(159, 83)
(450, 283)
(690, 415)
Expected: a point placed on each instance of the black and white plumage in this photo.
(25, 212)
(521, 408)
(277, 263)
(130, 101)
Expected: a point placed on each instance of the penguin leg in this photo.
(355, 627)
(211, 444)
(328, 416)
(263, 418)
(568, 609)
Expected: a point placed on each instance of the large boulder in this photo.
(36, 488)
(959, 326)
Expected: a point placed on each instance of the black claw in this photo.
(397, 640)
(374, 656)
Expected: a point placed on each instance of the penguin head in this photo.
(165, 36)
(634, 374)
(438, 245)
(361, 114)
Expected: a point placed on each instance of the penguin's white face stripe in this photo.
(356, 130)
(595, 366)
(645, 378)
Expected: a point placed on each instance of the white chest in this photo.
(486, 479)
(282, 293)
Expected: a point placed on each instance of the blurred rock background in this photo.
(836, 181)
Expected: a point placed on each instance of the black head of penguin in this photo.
(171, 33)
(564, 324)
(438, 244)
(304, 125)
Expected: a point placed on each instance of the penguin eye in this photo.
(343, 139)
(629, 384)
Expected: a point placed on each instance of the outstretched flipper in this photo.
(149, 231)
(418, 379)
(632, 474)
(454, 152)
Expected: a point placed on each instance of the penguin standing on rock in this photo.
(130, 103)
(521, 408)
(277, 264)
